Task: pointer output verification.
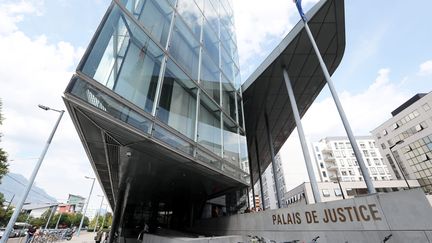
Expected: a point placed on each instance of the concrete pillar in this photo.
(259, 174)
(302, 137)
(272, 154)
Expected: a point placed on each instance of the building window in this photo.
(337, 192)
(418, 127)
(325, 193)
(343, 173)
(362, 145)
(383, 146)
(178, 101)
(373, 171)
(376, 161)
(324, 174)
(384, 132)
(351, 172)
(321, 165)
(368, 162)
(366, 153)
(395, 126)
(381, 171)
(319, 156)
(426, 107)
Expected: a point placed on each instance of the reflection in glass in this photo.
(211, 42)
(192, 15)
(230, 142)
(228, 98)
(178, 100)
(125, 60)
(172, 139)
(210, 76)
(102, 101)
(244, 161)
(240, 111)
(209, 131)
(211, 14)
(185, 48)
(155, 15)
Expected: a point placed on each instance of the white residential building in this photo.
(335, 160)
(405, 140)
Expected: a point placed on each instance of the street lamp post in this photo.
(32, 177)
(397, 163)
(98, 213)
(51, 214)
(58, 220)
(85, 208)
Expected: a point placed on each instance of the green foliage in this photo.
(108, 221)
(6, 214)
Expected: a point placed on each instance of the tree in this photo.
(3, 155)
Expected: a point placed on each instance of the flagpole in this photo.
(357, 153)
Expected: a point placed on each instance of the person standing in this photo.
(30, 233)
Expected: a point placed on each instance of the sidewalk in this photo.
(85, 237)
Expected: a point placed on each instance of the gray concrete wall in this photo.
(407, 215)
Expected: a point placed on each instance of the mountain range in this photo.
(14, 184)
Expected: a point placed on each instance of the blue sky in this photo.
(42, 41)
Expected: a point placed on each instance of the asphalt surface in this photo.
(85, 237)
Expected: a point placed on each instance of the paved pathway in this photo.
(85, 237)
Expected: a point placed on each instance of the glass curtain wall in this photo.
(177, 61)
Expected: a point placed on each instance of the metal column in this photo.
(345, 122)
(259, 174)
(251, 180)
(272, 154)
(302, 137)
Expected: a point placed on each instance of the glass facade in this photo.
(175, 62)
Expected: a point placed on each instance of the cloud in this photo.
(425, 68)
(36, 71)
(365, 111)
(260, 25)
(12, 12)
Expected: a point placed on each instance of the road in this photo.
(85, 237)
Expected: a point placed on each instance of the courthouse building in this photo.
(171, 133)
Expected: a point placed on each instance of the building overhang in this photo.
(264, 92)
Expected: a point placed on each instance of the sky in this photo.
(388, 59)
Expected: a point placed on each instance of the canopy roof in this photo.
(264, 92)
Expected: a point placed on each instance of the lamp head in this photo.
(44, 107)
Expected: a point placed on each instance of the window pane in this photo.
(185, 48)
(244, 160)
(227, 66)
(231, 142)
(155, 15)
(228, 98)
(211, 42)
(240, 111)
(125, 60)
(210, 77)
(172, 140)
(192, 15)
(211, 14)
(178, 101)
(209, 131)
(102, 101)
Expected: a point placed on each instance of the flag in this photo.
(300, 9)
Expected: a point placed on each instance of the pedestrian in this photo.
(30, 233)
(98, 237)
